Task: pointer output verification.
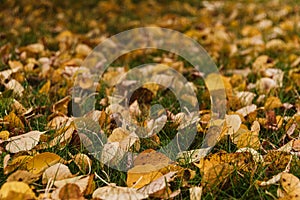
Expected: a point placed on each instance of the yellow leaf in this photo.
(215, 82)
(15, 64)
(64, 36)
(16, 190)
(216, 168)
(142, 175)
(233, 123)
(35, 48)
(159, 184)
(41, 162)
(83, 50)
(272, 103)
(19, 161)
(248, 139)
(4, 135)
(46, 87)
(14, 121)
(124, 138)
(195, 192)
(15, 86)
(23, 176)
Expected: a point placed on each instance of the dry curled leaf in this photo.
(83, 162)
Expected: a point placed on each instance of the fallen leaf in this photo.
(4, 135)
(24, 142)
(247, 110)
(16, 190)
(265, 85)
(45, 88)
(35, 48)
(85, 183)
(69, 191)
(83, 162)
(158, 184)
(216, 168)
(56, 172)
(40, 162)
(113, 192)
(23, 176)
(272, 103)
(296, 145)
(195, 193)
(290, 187)
(124, 138)
(14, 121)
(141, 175)
(233, 123)
(16, 162)
(14, 64)
(152, 157)
(248, 139)
(245, 97)
(83, 50)
(62, 105)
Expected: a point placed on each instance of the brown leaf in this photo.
(69, 191)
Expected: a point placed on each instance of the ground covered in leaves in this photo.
(256, 46)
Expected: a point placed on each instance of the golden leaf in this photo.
(14, 121)
(141, 175)
(45, 88)
(16, 190)
(272, 103)
(23, 176)
(41, 162)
